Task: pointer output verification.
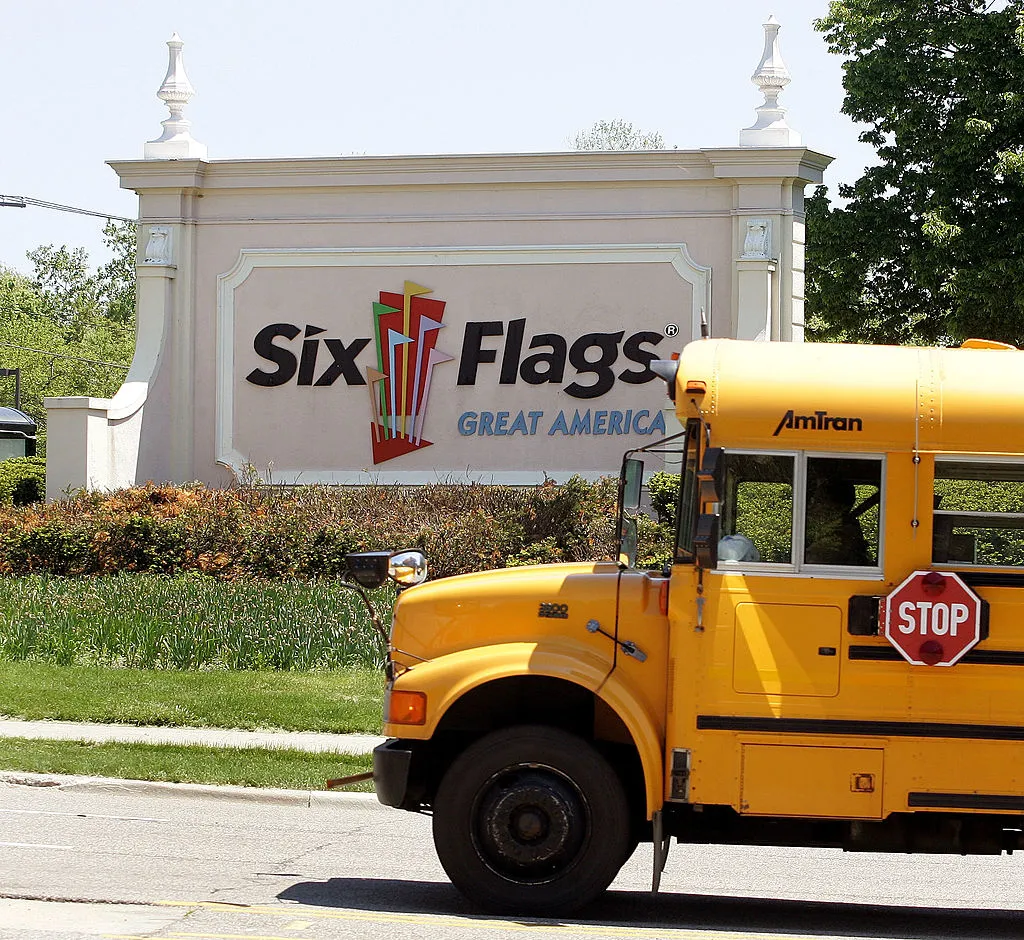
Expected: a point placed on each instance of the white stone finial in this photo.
(176, 142)
(771, 76)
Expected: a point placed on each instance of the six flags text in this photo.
(593, 353)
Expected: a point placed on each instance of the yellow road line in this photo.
(229, 936)
(201, 936)
(469, 923)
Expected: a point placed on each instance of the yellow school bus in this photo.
(834, 656)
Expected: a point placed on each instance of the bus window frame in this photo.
(692, 433)
(695, 431)
(798, 567)
(989, 460)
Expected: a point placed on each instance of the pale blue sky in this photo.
(314, 78)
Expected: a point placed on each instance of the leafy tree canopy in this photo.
(929, 246)
(66, 327)
(616, 134)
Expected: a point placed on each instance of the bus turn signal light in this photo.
(406, 708)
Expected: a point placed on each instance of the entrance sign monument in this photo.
(431, 318)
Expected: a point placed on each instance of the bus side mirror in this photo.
(705, 543)
(632, 480)
(372, 569)
(710, 475)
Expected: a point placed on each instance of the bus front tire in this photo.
(531, 820)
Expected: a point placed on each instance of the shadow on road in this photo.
(695, 911)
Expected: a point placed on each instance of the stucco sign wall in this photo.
(478, 363)
(438, 317)
(412, 319)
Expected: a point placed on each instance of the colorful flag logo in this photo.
(405, 328)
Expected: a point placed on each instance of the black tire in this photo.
(531, 820)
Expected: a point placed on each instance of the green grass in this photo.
(344, 700)
(194, 622)
(245, 767)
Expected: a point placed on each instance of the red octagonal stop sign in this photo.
(933, 618)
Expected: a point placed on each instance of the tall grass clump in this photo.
(152, 622)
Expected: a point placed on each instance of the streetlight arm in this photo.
(20, 202)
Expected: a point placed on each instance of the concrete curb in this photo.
(80, 784)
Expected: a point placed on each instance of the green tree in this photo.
(70, 331)
(62, 280)
(929, 246)
(616, 134)
(17, 296)
(116, 278)
(71, 292)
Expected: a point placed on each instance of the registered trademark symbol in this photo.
(671, 329)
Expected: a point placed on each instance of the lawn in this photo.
(340, 701)
(245, 767)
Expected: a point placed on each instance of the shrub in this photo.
(654, 543)
(53, 546)
(664, 492)
(306, 532)
(22, 480)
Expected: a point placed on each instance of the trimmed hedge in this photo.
(22, 480)
(306, 532)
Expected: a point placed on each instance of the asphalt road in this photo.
(86, 862)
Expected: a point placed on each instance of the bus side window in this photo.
(978, 517)
(841, 525)
(757, 510)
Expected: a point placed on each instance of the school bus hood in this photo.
(510, 605)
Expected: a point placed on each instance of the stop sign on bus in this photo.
(933, 618)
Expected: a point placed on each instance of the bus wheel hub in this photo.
(531, 820)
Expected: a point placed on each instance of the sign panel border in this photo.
(249, 259)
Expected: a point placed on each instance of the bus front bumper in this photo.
(391, 763)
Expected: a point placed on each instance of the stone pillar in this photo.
(756, 299)
(96, 440)
(768, 211)
(767, 290)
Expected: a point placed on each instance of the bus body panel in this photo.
(767, 692)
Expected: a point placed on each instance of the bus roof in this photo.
(848, 397)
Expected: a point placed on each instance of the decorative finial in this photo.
(770, 129)
(175, 143)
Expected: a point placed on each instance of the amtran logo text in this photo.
(405, 328)
(818, 421)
